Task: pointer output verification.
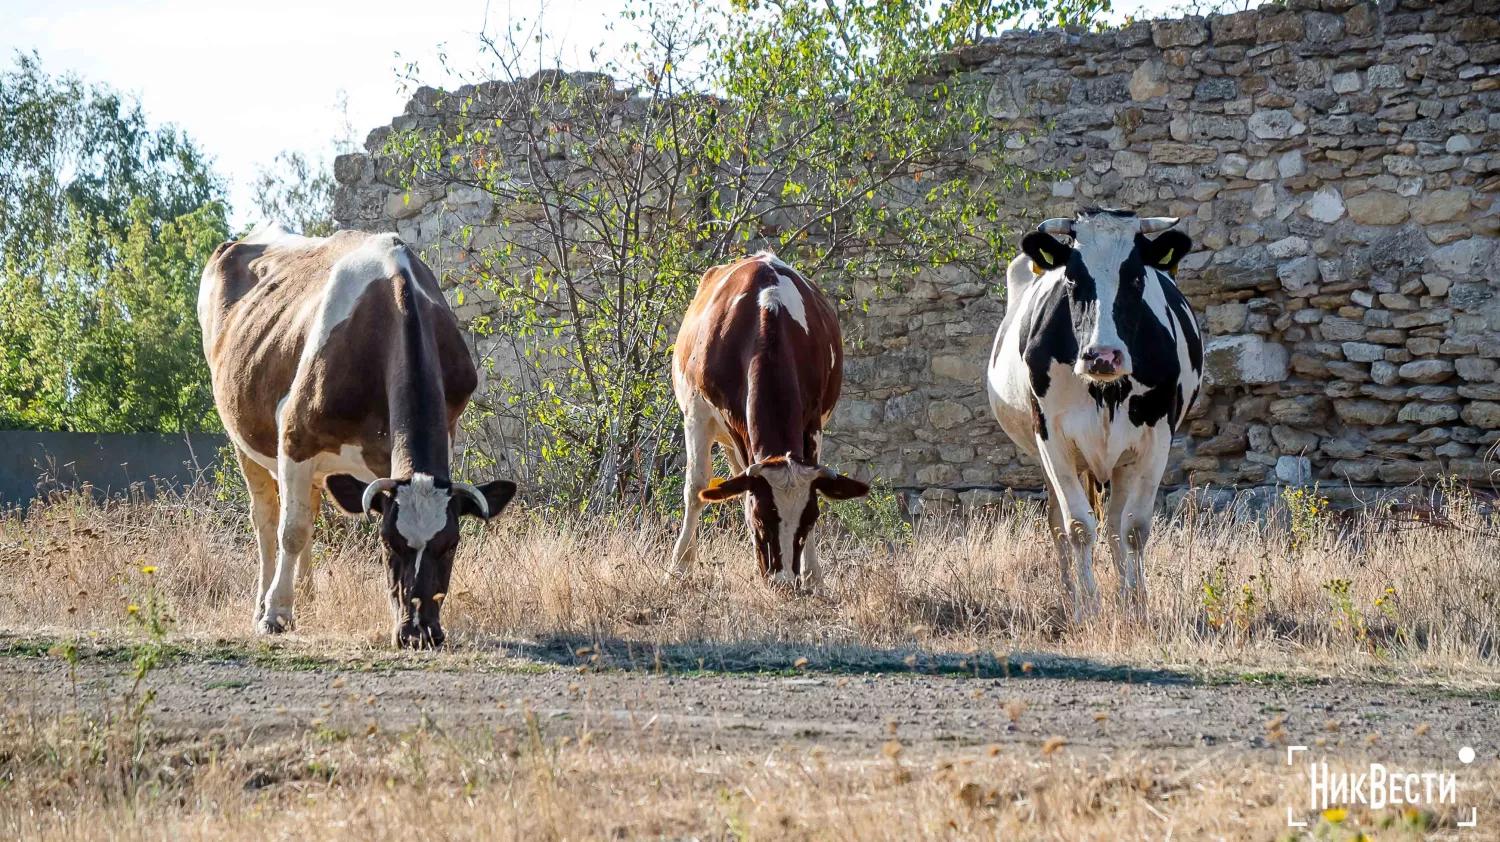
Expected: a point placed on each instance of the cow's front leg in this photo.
(697, 428)
(812, 571)
(294, 535)
(265, 503)
(305, 558)
(1078, 524)
(1131, 505)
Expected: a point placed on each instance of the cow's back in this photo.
(317, 315)
(759, 318)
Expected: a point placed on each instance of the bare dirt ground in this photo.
(838, 704)
(568, 739)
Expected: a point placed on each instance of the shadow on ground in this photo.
(778, 657)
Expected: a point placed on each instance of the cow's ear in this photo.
(840, 487)
(347, 493)
(496, 495)
(1166, 250)
(719, 490)
(1045, 251)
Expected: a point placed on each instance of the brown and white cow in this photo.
(757, 369)
(336, 362)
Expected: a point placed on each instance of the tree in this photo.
(298, 193)
(105, 225)
(830, 132)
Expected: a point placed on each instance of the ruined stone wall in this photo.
(1337, 166)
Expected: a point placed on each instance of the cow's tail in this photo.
(1095, 491)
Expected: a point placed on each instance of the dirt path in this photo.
(853, 712)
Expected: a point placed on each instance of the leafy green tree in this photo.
(831, 131)
(105, 225)
(297, 190)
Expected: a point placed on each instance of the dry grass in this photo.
(519, 783)
(1220, 591)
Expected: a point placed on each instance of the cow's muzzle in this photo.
(1102, 363)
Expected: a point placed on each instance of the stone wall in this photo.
(1337, 166)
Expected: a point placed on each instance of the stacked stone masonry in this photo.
(1337, 165)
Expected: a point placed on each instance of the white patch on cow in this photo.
(208, 292)
(1104, 242)
(833, 356)
(735, 300)
(785, 294)
(272, 232)
(1156, 299)
(422, 510)
(791, 486)
(1018, 276)
(349, 460)
(773, 260)
(380, 258)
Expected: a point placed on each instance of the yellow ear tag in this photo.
(715, 482)
(1166, 259)
(1036, 269)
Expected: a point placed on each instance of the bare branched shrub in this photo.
(592, 203)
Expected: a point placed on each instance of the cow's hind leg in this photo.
(811, 569)
(1079, 527)
(265, 501)
(294, 534)
(697, 425)
(305, 558)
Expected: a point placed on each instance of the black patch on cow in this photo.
(1038, 418)
(768, 536)
(1166, 250)
(1045, 250)
(1109, 396)
(1180, 308)
(418, 410)
(1048, 335)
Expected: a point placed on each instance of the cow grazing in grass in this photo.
(1094, 368)
(336, 362)
(757, 369)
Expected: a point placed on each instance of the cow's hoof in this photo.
(420, 637)
(273, 624)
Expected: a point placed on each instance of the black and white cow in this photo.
(1095, 366)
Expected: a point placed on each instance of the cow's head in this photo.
(782, 507)
(418, 534)
(1104, 273)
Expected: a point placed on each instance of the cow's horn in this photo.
(476, 494)
(1057, 225)
(754, 470)
(375, 488)
(1153, 224)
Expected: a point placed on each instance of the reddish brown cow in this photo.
(757, 369)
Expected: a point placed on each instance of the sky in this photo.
(249, 80)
